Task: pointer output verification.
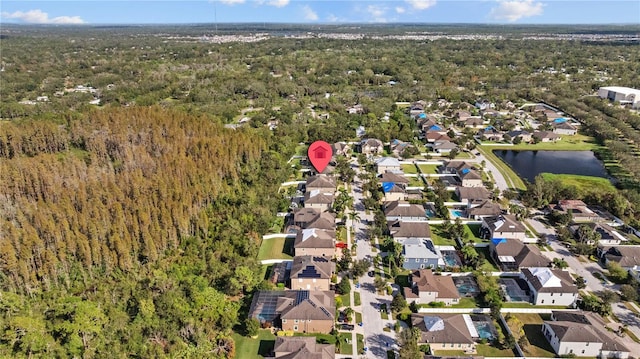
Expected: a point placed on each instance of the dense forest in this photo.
(129, 226)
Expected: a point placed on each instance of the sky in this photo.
(321, 11)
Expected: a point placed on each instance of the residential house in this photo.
(371, 146)
(424, 122)
(580, 212)
(318, 200)
(341, 149)
(546, 136)
(302, 348)
(446, 331)
(484, 104)
(433, 137)
(435, 128)
(400, 210)
(311, 273)
(315, 242)
(465, 171)
(394, 186)
(307, 311)
(322, 183)
(400, 231)
(472, 196)
(427, 287)
(582, 334)
(399, 148)
(484, 209)
(511, 254)
(627, 256)
(608, 235)
(442, 147)
(420, 254)
(550, 286)
(524, 135)
(490, 133)
(564, 128)
(503, 226)
(473, 122)
(462, 115)
(313, 218)
(417, 108)
(355, 109)
(386, 164)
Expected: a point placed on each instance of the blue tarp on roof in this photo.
(387, 186)
(435, 128)
(422, 115)
(465, 171)
(489, 128)
(497, 241)
(560, 120)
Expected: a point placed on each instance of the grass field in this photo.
(345, 345)
(567, 143)
(513, 180)
(466, 302)
(409, 168)
(356, 299)
(276, 248)
(360, 343)
(428, 169)
(538, 344)
(439, 238)
(250, 348)
(474, 232)
(583, 184)
(416, 181)
(487, 350)
(488, 265)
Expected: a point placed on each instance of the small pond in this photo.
(528, 164)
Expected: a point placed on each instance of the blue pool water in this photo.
(457, 213)
(484, 330)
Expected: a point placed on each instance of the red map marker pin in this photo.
(320, 154)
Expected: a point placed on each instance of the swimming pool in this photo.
(485, 330)
(450, 258)
(456, 213)
(466, 286)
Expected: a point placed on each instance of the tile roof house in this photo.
(400, 210)
(315, 242)
(473, 122)
(490, 133)
(446, 331)
(563, 128)
(465, 171)
(511, 254)
(322, 183)
(608, 235)
(523, 134)
(550, 286)
(427, 287)
(402, 230)
(313, 218)
(433, 137)
(316, 199)
(420, 254)
(386, 164)
(582, 334)
(442, 147)
(484, 209)
(307, 311)
(580, 212)
(472, 196)
(546, 136)
(395, 177)
(341, 148)
(311, 273)
(502, 226)
(628, 256)
(302, 348)
(371, 146)
(398, 147)
(462, 115)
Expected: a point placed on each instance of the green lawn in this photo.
(488, 265)
(345, 345)
(416, 182)
(463, 155)
(341, 234)
(356, 298)
(358, 317)
(360, 343)
(250, 348)
(276, 248)
(409, 168)
(538, 344)
(487, 350)
(466, 302)
(450, 353)
(346, 300)
(510, 176)
(428, 169)
(584, 185)
(568, 143)
(473, 231)
(439, 238)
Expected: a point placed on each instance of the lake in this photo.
(528, 164)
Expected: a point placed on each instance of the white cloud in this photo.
(421, 4)
(514, 10)
(377, 13)
(38, 16)
(278, 3)
(400, 10)
(332, 18)
(309, 14)
(231, 2)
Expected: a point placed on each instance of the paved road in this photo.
(376, 339)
